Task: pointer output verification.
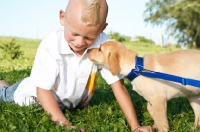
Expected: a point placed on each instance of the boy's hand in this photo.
(75, 128)
(144, 129)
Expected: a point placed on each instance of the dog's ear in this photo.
(113, 63)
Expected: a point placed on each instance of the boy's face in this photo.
(80, 36)
(78, 33)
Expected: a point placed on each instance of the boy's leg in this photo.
(3, 83)
(7, 92)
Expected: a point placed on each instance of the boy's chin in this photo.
(79, 52)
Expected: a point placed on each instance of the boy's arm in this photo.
(50, 105)
(126, 105)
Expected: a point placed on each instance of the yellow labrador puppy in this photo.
(185, 63)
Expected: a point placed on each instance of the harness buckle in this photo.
(183, 81)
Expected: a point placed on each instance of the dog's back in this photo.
(185, 63)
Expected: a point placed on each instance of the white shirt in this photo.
(58, 68)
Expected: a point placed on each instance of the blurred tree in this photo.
(143, 39)
(118, 37)
(11, 50)
(182, 18)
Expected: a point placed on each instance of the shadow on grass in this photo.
(15, 75)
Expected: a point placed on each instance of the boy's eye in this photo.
(74, 34)
(90, 38)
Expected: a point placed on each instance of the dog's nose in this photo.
(88, 50)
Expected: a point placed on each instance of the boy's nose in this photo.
(81, 41)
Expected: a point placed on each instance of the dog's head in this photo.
(108, 54)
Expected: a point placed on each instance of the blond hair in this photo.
(91, 12)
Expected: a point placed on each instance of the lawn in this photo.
(103, 114)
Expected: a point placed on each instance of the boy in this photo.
(62, 75)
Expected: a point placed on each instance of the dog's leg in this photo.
(195, 104)
(151, 112)
(158, 111)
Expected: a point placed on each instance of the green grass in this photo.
(103, 114)
(143, 48)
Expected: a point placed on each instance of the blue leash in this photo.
(139, 70)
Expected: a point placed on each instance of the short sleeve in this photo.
(45, 68)
(107, 76)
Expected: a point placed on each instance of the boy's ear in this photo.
(104, 27)
(62, 17)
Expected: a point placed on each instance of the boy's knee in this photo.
(3, 92)
(3, 83)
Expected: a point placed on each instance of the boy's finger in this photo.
(74, 127)
(150, 129)
(82, 130)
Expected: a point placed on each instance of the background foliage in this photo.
(182, 18)
(118, 37)
(11, 50)
(103, 114)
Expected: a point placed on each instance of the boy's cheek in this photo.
(89, 43)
